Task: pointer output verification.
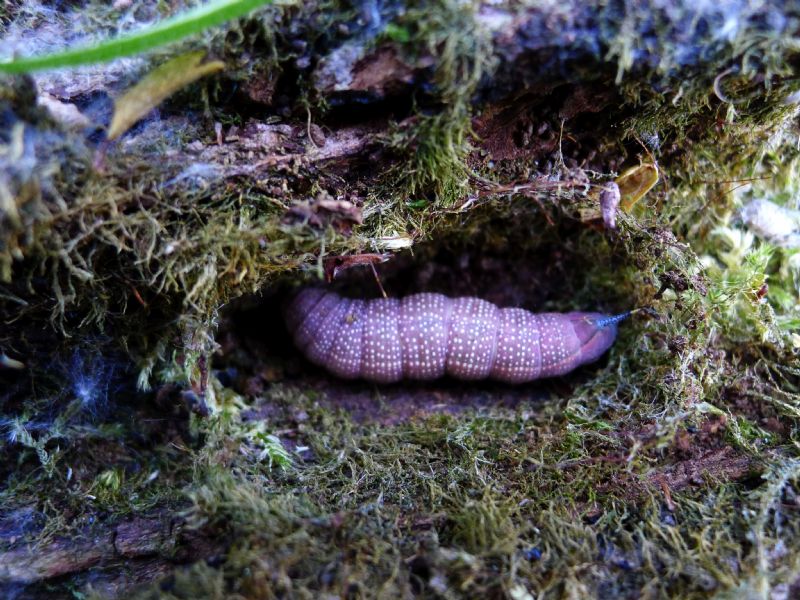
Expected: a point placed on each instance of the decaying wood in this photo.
(723, 464)
(155, 545)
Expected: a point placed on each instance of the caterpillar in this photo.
(426, 336)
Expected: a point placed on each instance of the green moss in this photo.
(452, 507)
(434, 148)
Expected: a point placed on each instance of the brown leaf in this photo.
(635, 183)
(157, 86)
(336, 264)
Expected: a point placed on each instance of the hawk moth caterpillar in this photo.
(427, 336)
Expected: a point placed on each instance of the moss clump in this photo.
(485, 504)
(435, 147)
(39, 163)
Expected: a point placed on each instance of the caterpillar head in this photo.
(595, 333)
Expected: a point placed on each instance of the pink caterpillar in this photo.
(427, 336)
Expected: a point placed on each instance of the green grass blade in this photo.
(167, 31)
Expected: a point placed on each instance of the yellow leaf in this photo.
(635, 183)
(157, 86)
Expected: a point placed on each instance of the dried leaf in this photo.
(635, 183)
(336, 264)
(156, 87)
(609, 201)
